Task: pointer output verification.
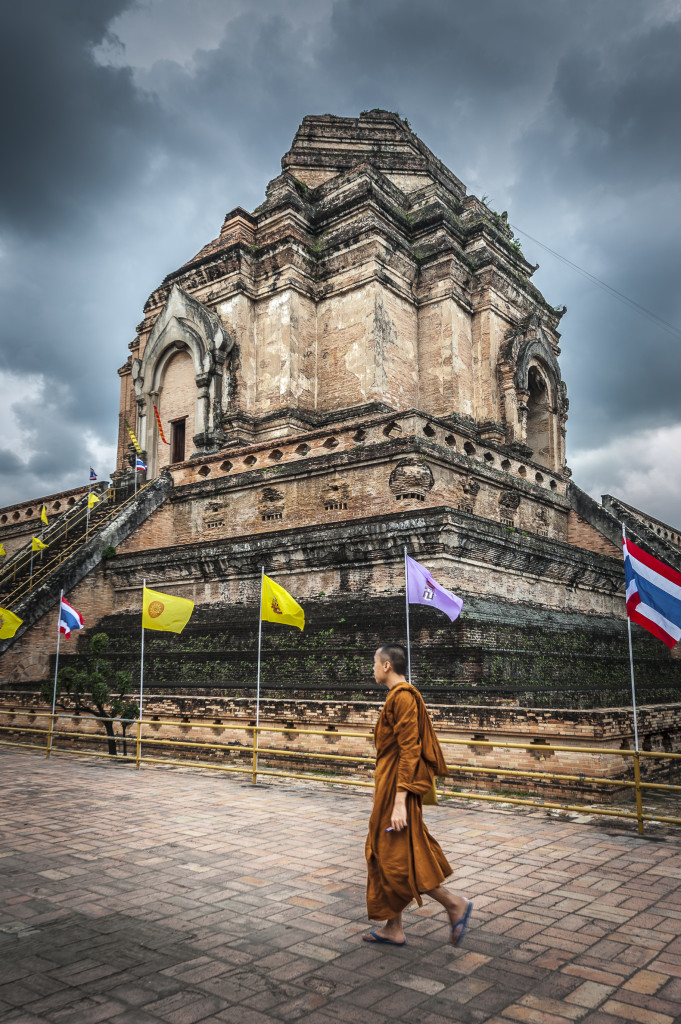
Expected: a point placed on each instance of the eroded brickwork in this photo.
(30, 657)
(583, 535)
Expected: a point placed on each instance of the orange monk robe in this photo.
(402, 865)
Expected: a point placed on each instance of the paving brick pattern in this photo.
(181, 896)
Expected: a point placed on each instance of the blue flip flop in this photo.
(462, 923)
(379, 938)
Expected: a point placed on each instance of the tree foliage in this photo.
(97, 689)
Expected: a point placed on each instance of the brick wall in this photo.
(584, 535)
(30, 657)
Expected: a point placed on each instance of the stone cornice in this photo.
(373, 541)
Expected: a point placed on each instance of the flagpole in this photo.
(87, 517)
(139, 720)
(56, 670)
(637, 760)
(406, 596)
(631, 658)
(135, 473)
(257, 691)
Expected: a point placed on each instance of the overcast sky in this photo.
(131, 128)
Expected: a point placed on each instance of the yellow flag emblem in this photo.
(161, 611)
(278, 605)
(2, 551)
(43, 515)
(37, 544)
(9, 623)
(92, 499)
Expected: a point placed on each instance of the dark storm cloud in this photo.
(69, 125)
(622, 102)
(9, 462)
(607, 149)
(564, 112)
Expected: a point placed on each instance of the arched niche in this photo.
(184, 356)
(176, 403)
(535, 402)
(540, 412)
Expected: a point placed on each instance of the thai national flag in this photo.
(69, 618)
(93, 475)
(653, 594)
(139, 465)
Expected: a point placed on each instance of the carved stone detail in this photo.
(411, 476)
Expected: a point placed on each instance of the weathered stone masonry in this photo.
(359, 364)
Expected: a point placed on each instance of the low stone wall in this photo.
(226, 722)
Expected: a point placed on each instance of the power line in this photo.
(670, 328)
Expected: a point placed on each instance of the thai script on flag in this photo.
(653, 594)
(93, 475)
(139, 464)
(422, 589)
(69, 618)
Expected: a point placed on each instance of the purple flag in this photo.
(422, 589)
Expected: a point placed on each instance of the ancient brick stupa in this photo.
(362, 363)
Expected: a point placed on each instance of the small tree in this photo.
(97, 689)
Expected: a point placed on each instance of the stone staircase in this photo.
(30, 587)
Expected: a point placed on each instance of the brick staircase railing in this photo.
(76, 543)
(26, 569)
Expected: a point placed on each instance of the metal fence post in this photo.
(639, 798)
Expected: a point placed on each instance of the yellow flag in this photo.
(37, 544)
(9, 623)
(43, 515)
(2, 551)
(278, 605)
(134, 440)
(92, 499)
(161, 611)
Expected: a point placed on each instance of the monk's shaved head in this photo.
(396, 654)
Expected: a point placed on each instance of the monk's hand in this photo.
(398, 817)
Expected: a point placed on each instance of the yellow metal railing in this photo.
(254, 750)
(45, 568)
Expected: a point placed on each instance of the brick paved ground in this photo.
(180, 896)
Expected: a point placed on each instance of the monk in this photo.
(403, 859)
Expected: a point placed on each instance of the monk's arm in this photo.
(406, 728)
